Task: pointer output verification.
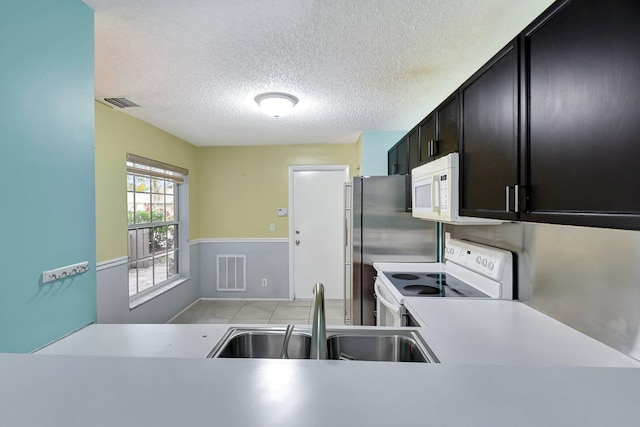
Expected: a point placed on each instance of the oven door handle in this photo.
(395, 308)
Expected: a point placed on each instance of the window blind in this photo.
(142, 166)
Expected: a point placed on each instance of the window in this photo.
(154, 223)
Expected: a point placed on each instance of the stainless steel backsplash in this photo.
(587, 278)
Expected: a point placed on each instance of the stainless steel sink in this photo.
(401, 345)
(374, 346)
(263, 343)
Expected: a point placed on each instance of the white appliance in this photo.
(470, 270)
(435, 189)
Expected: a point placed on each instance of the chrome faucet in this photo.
(284, 353)
(319, 327)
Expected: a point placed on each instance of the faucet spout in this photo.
(284, 353)
(319, 327)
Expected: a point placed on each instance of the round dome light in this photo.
(276, 104)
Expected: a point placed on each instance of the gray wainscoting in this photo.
(265, 259)
(113, 294)
(587, 278)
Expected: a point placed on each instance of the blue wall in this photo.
(375, 145)
(47, 214)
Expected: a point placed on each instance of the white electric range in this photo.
(470, 270)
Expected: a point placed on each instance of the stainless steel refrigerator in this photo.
(378, 228)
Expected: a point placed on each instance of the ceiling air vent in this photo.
(119, 102)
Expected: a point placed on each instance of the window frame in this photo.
(153, 170)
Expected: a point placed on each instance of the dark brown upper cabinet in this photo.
(581, 113)
(413, 139)
(392, 160)
(427, 133)
(489, 150)
(439, 131)
(549, 129)
(403, 156)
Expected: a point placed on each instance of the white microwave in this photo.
(435, 192)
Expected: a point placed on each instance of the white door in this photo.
(317, 230)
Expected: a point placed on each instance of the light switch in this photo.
(272, 227)
(282, 211)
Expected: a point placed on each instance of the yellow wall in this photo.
(116, 135)
(234, 191)
(241, 188)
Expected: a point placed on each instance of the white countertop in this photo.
(133, 340)
(502, 332)
(70, 391)
(170, 340)
(474, 386)
(489, 332)
(458, 331)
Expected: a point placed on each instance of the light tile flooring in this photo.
(259, 312)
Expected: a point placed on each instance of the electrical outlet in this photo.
(264, 283)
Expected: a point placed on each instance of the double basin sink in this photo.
(403, 345)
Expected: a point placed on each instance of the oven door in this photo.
(388, 311)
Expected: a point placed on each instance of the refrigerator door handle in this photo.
(348, 252)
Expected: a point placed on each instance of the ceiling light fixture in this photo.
(276, 104)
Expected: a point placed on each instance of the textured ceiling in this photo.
(195, 66)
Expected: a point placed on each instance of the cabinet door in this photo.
(489, 139)
(447, 126)
(581, 69)
(392, 160)
(427, 136)
(403, 156)
(414, 148)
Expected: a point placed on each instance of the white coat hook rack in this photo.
(65, 272)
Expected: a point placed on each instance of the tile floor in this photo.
(259, 312)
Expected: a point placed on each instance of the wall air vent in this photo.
(232, 272)
(120, 102)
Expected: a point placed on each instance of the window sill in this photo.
(137, 300)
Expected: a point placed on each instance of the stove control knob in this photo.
(484, 262)
(478, 259)
(490, 265)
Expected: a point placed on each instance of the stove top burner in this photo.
(432, 285)
(422, 289)
(405, 276)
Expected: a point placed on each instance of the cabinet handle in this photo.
(506, 191)
(516, 202)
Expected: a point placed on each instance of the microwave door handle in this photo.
(435, 198)
(432, 195)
